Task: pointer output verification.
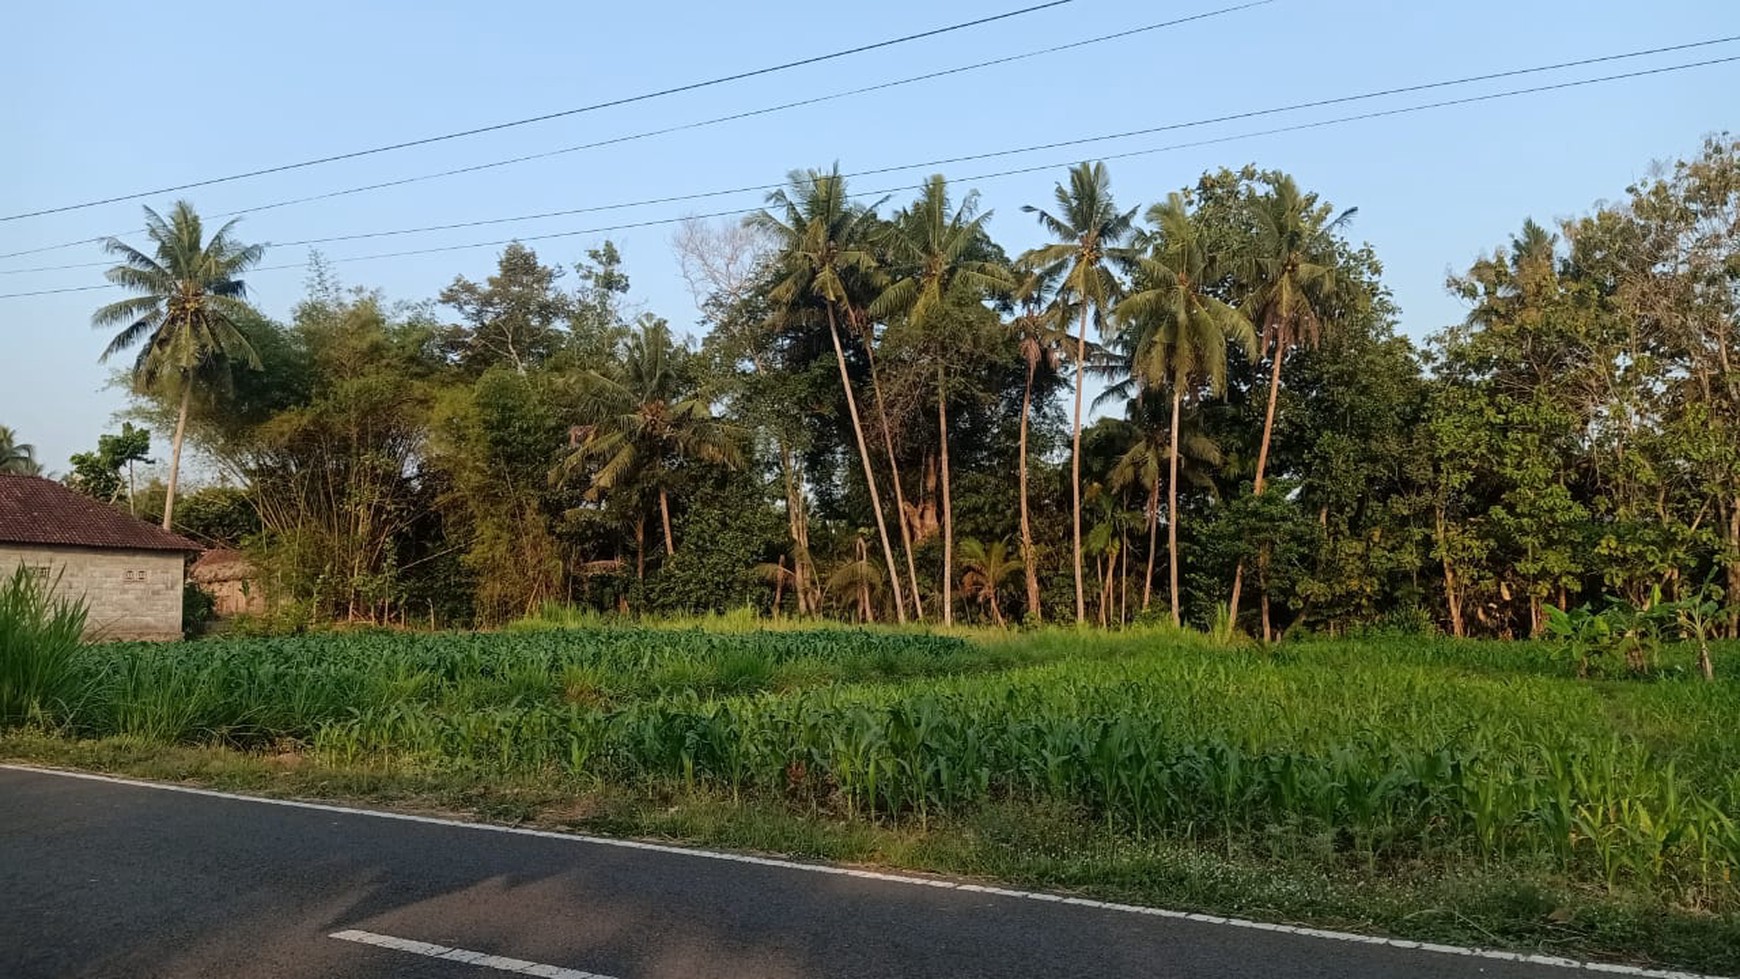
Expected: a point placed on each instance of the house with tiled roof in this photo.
(128, 572)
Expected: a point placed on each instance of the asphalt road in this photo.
(107, 879)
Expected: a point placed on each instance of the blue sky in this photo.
(108, 100)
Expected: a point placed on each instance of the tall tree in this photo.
(515, 317)
(1525, 350)
(98, 474)
(1140, 467)
(1041, 329)
(725, 267)
(1683, 284)
(129, 446)
(938, 251)
(821, 240)
(18, 458)
(333, 460)
(643, 420)
(492, 443)
(1089, 231)
(1291, 272)
(1177, 335)
(865, 328)
(190, 297)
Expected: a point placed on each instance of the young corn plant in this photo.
(39, 642)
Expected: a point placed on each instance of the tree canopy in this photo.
(870, 423)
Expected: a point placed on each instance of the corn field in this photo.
(1376, 753)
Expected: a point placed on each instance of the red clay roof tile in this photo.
(40, 511)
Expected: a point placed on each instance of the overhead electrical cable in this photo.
(1057, 144)
(1315, 124)
(683, 127)
(545, 117)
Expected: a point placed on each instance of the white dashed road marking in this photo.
(500, 963)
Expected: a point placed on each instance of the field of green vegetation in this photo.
(1380, 779)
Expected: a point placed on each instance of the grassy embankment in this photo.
(1474, 793)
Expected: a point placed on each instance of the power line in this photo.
(1364, 116)
(51, 292)
(753, 113)
(1364, 96)
(716, 120)
(428, 251)
(1125, 134)
(564, 113)
(1316, 124)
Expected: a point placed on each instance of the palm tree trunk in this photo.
(1106, 570)
(665, 515)
(1269, 420)
(1030, 566)
(1454, 599)
(1075, 467)
(1262, 470)
(1172, 505)
(948, 513)
(778, 587)
(815, 585)
(866, 613)
(1123, 577)
(175, 454)
(894, 477)
(800, 580)
(794, 518)
(1153, 538)
(864, 457)
(1263, 603)
(132, 492)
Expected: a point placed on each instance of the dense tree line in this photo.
(1199, 409)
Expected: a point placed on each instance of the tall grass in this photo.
(557, 616)
(244, 691)
(39, 639)
(1379, 753)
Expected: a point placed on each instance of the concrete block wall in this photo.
(130, 594)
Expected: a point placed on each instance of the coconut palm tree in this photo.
(1088, 230)
(644, 420)
(985, 567)
(1041, 331)
(1141, 466)
(821, 241)
(17, 458)
(1291, 271)
(1108, 542)
(939, 252)
(857, 580)
(1178, 335)
(780, 576)
(190, 296)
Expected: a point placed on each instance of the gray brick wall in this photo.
(130, 594)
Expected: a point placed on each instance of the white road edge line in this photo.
(500, 963)
(1526, 958)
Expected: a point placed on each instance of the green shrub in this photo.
(197, 609)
